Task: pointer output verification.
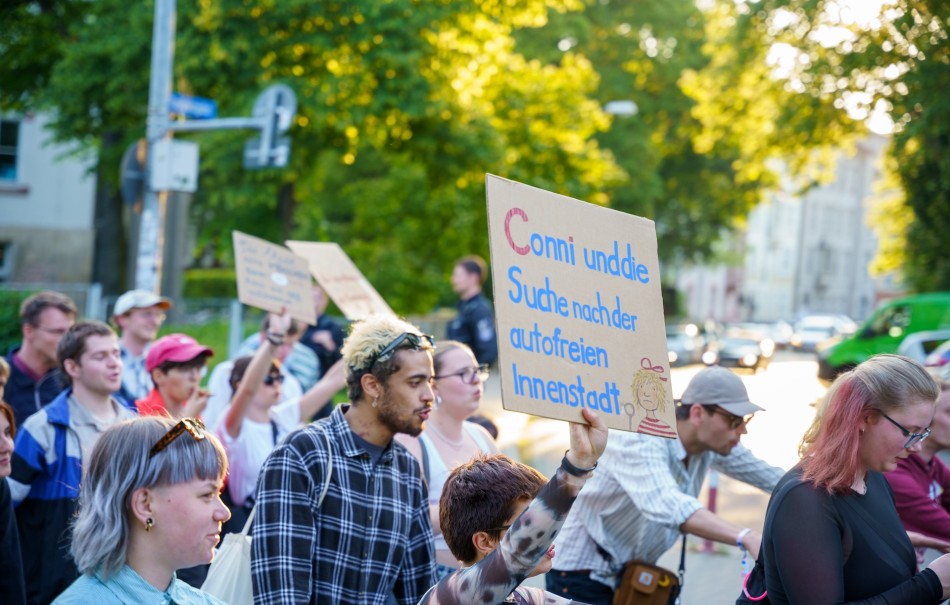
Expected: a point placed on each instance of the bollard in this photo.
(708, 545)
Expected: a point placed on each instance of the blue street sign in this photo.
(196, 108)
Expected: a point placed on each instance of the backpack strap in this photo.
(323, 492)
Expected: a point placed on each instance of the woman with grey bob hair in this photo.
(148, 505)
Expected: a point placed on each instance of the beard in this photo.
(393, 416)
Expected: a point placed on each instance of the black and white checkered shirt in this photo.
(371, 540)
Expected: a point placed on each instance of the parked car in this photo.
(813, 330)
(684, 344)
(939, 357)
(919, 345)
(740, 350)
(884, 331)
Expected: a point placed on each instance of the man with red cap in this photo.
(175, 363)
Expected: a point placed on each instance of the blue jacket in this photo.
(44, 482)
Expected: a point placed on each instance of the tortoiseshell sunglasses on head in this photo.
(194, 426)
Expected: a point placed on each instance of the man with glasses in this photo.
(138, 314)
(645, 492)
(51, 448)
(342, 513)
(34, 376)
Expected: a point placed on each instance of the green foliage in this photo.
(10, 334)
(405, 105)
(210, 283)
(842, 66)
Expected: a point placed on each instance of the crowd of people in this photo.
(119, 471)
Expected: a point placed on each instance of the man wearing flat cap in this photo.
(644, 493)
(138, 314)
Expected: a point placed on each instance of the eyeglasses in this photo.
(414, 341)
(193, 426)
(270, 379)
(54, 331)
(499, 529)
(469, 375)
(912, 438)
(733, 420)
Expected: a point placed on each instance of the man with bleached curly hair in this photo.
(342, 512)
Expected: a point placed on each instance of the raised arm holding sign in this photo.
(579, 310)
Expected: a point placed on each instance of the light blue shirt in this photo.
(126, 587)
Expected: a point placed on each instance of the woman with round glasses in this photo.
(149, 505)
(448, 440)
(832, 534)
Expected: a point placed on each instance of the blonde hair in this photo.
(644, 376)
(366, 340)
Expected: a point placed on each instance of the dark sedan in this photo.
(740, 351)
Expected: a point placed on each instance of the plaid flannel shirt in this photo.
(371, 540)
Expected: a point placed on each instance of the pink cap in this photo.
(174, 347)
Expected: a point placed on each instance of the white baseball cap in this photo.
(139, 299)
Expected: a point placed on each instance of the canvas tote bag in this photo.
(229, 577)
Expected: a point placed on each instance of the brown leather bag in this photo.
(646, 584)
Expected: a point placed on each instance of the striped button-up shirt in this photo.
(645, 487)
(369, 542)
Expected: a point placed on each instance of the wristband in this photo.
(275, 339)
(742, 534)
(744, 562)
(575, 470)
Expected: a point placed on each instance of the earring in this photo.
(438, 400)
(374, 401)
(149, 524)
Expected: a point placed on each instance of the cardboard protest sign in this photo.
(271, 277)
(344, 283)
(579, 310)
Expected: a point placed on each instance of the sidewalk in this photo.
(713, 575)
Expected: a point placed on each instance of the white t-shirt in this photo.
(247, 451)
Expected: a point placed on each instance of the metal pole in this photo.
(708, 545)
(148, 266)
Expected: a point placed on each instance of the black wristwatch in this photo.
(575, 470)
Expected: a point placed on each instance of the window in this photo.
(6, 261)
(9, 139)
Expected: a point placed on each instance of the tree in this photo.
(403, 107)
(840, 65)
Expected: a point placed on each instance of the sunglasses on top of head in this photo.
(411, 340)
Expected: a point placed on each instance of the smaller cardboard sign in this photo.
(343, 282)
(271, 277)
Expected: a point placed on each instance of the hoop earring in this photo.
(149, 524)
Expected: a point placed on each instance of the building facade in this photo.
(47, 203)
(800, 254)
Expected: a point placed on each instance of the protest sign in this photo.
(271, 277)
(341, 279)
(579, 310)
